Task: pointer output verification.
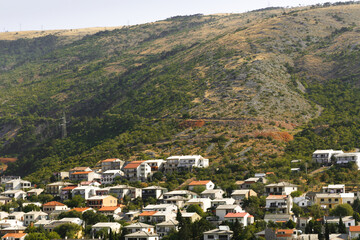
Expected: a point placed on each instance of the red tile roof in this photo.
(199, 183)
(14, 235)
(284, 232)
(109, 160)
(78, 173)
(133, 164)
(236, 215)
(69, 188)
(148, 213)
(80, 209)
(276, 197)
(354, 228)
(53, 203)
(106, 209)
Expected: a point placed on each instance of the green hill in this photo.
(254, 78)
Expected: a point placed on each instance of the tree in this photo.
(327, 231)
(92, 218)
(70, 214)
(237, 229)
(316, 211)
(296, 194)
(31, 207)
(342, 227)
(76, 201)
(53, 235)
(44, 198)
(36, 236)
(290, 224)
(199, 189)
(69, 230)
(342, 210)
(298, 211)
(195, 208)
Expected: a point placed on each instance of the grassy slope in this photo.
(216, 67)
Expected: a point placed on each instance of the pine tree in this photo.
(327, 231)
(342, 228)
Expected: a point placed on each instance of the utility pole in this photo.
(63, 125)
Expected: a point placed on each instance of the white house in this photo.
(281, 204)
(204, 203)
(282, 188)
(141, 235)
(346, 158)
(347, 220)
(124, 190)
(155, 192)
(164, 228)
(49, 207)
(84, 176)
(212, 193)
(139, 226)
(161, 207)
(17, 184)
(240, 195)
(347, 198)
(182, 193)
(207, 184)
(324, 156)
(243, 217)
(34, 216)
(108, 177)
(222, 201)
(354, 232)
(222, 210)
(85, 192)
(137, 170)
(111, 164)
(302, 201)
(334, 188)
(185, 163)
(114, 227)
(221, 233)
(17, 194)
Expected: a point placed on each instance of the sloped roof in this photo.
(236, 215)
(80, 209)
(276, 197)
(105, 209)
(14, 235)
(109, 160)
(354, 228)
(199, 183)
(53, 203)
(133, 164)
(78, 173)
(148, 213)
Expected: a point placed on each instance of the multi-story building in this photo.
(55, 188)
(222, 210)
(85, 192)
(344, 159)
(324, 156)
(328, 200)
(212, 193)
(102, 201)
(207, 184)
(34, 216)
(54, 206)
(109, 176)
(165, 228)
(331, 188)
(221, 233)
(124, 190)
(279, 204)
(282, 188)
(17, 184)
(84, 176)
(243, 218)
(155, 192)
(111, 164)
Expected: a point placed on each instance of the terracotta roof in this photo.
(54, 203)
(78, 173)
(109, 160)
(14, 235)
(133, 164)
(199, 183)
(69, 188)
(105, 209)
(234, 215)
(80, 209)
(276, 197)
(354, 228)
(284, 232)
(148, 213)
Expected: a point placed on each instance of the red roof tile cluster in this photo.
(199, 183)
(80, 209)
(109, 160)
(354, 228)
(69, 188)
(236, 215)
(14, 235)
(133, 164)
(78, 173)
(107, 209)
(276, 197)
(54, 203)
(148, 213)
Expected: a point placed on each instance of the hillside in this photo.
(256, 79)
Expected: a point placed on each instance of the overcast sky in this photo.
(16, 15)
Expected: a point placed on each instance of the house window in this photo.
(210, 236)
(322, 200)
(336, 200)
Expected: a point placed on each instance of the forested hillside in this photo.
(258, 80)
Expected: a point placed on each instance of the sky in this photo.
(21, 15)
